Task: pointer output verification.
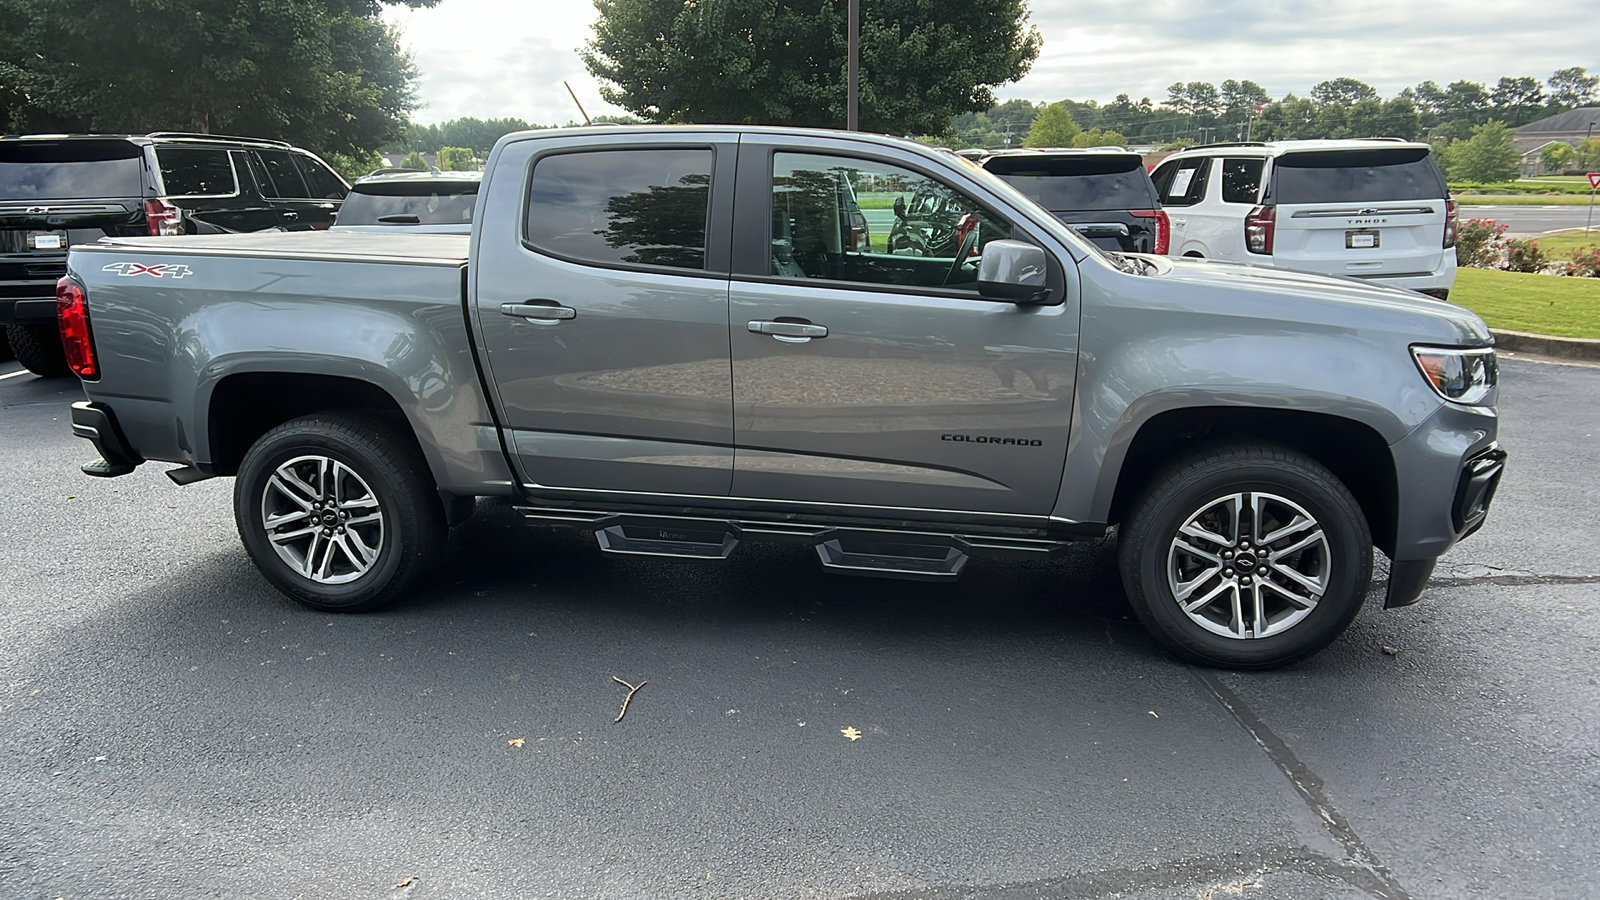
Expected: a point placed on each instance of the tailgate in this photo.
(1377, 210)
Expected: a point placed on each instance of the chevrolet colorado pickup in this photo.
(687, 338)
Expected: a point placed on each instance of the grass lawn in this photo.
(1539, 304)
(1561, 244)
(1524, 200)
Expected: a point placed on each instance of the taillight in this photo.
(1163, 241)
(1452, 223)
(73, 317)
(162, 217)
(1259, 226)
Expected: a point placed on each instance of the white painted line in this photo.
(15, 374)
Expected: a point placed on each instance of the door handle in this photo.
(290, 214)
(791, 331)
(540, 311)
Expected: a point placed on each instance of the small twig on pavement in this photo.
(632, 689)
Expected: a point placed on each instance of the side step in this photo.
(692, 541)
(919, 562)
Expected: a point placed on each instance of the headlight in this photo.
(1460, 376)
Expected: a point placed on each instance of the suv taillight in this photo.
(1163, 241)
(1452, 223)
(72, 315)
(1259, 226)
(162, 217)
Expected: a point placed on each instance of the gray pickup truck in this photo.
(682, 339)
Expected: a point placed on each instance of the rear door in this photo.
(879, 377)
(1368, 212)
(54, 194)
(600, 291)
(1217, 223)
(1106, 197)
(300, 204)
(213, 188)
(1181, 187)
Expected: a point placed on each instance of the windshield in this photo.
(409, 203)
(1087, 182)
(1357, 176)
(69, 170)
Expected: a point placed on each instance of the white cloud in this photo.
(492, 58)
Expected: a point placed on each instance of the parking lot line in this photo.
(15, 374)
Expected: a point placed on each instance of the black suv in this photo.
(59, 190)
(1103, 193)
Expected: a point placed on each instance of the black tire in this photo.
(5, 346)
(38, 348)
(368, 461)
(1286, 487)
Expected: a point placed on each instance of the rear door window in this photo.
(1357, 176)
(1089, 182)
(630, 207)
(323, 182)
(283, 179)
(1241, 180)
(1182, 182)
(70, 170)
(196, 172)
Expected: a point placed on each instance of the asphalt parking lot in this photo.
(171, 726)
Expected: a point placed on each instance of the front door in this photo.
(602, 299)
(867, 375)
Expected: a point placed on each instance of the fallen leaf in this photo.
(406, 881)
(517, 742)
(850, 733)
(1390, 651)
(1152, 712)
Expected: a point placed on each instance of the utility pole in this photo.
(853, 69)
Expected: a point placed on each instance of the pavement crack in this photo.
(1514, 580)
(1369, 874)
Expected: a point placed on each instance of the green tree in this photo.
(1572, 88)
(1588, 155)
(1343, 92)
(1557, 156)
(1100, 137)
(766, 61)
(456, 159)
(326, 74)
(1486, 157)
(1518, 101)
(1052, 127)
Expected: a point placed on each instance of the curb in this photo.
(1587, 349)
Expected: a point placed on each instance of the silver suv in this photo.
(411, 200)
(1375, 209)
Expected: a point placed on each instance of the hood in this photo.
(1331, 299)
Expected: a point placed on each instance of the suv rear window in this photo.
(1359, 176)
(70, 170)
(432, 203)
(1089, 181)
(641, 207)
(196, 173)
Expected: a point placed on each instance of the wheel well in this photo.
(246, 406)
(1194, 254)
(1353, 452)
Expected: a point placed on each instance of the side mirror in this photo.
(1013, 271)
(900, 207)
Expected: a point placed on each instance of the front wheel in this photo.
(338, 511)
(1246, 557)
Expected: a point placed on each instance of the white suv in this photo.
(1376, 209)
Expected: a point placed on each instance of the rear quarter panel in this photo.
(165, 343)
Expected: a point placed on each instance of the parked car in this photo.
(619, 348)
(431, 202)
(59, 190)
(1374, 209)
(1103, 193)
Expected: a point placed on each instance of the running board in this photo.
(880, 552)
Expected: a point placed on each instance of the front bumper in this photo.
(97, 424)
(1475, 478)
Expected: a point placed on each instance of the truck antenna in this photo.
(580, 105)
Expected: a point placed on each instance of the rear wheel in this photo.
(5, 346)
(38, 348)
(338, 511)
(1246, 557)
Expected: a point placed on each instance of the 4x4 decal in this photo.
(159, 270)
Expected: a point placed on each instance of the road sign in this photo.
(1594, 180)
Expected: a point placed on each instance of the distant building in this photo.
(1568, 128)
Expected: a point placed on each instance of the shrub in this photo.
(1477, 243)
(1524, 256)
(1584, 262)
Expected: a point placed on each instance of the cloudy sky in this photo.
(492, 58)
